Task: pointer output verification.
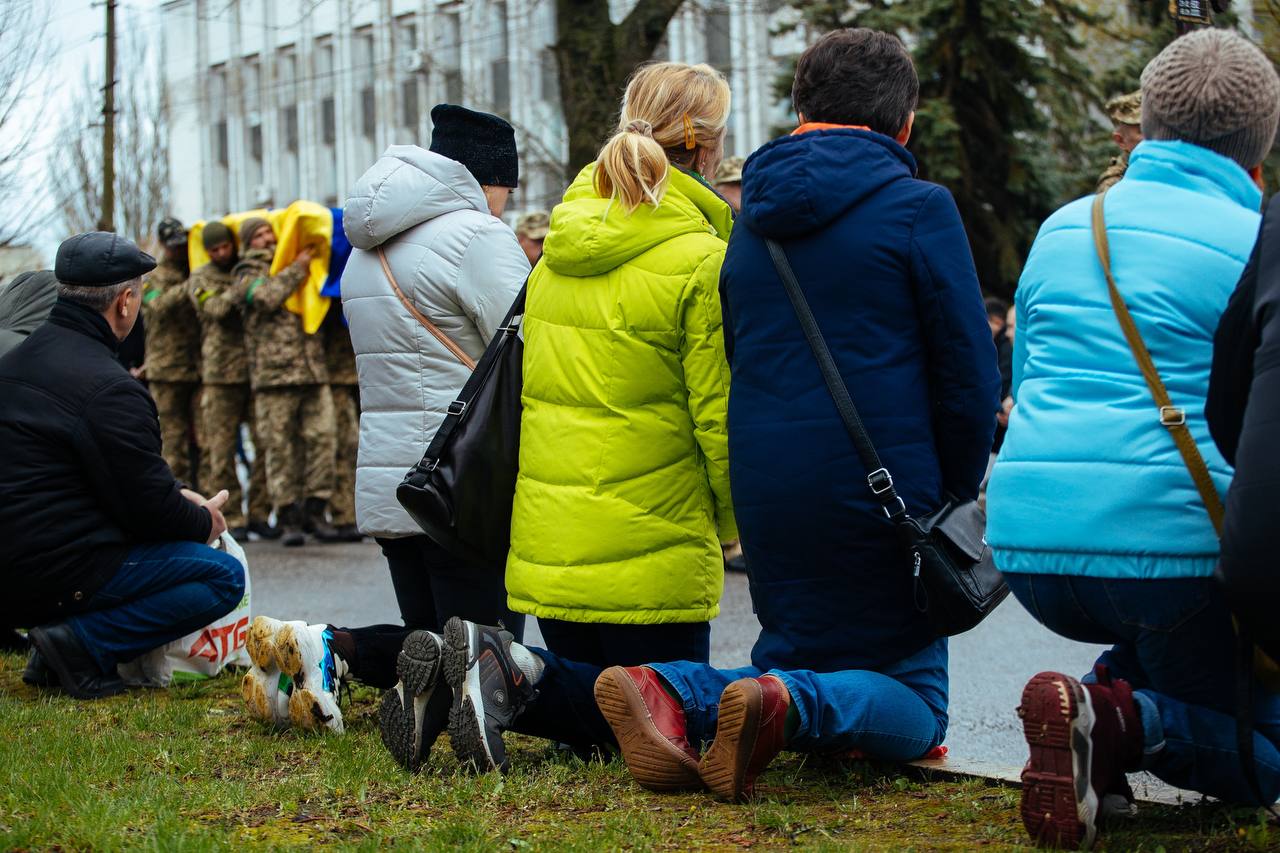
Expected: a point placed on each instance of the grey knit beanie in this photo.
(1216, 89)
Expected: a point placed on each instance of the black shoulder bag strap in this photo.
(878, 478)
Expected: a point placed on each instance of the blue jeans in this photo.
(160, 593)
(897, 713)
(565, 709)
(1173, 641)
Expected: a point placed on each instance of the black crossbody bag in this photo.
(461, 491)
(956, 582)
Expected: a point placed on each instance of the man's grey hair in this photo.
(98, 299)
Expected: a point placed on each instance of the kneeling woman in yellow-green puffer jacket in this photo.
(623, 495)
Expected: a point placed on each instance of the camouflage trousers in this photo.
(223, 408)
(299, 441)
(346, 407)
(176, 405)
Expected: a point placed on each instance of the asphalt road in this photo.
(349, 585)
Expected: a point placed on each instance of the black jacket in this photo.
(1243, 410)
(81, 477)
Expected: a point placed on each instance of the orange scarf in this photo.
(820, 125)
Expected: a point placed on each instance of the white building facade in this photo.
(272, 102)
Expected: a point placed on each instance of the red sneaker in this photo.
(751, 731)
(1082, 740)
(650, 727)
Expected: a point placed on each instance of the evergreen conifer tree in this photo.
(1008, 118)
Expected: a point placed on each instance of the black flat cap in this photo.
(100, 259)
(484, 143)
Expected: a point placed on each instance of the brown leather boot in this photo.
(750, 732)
(650, 728)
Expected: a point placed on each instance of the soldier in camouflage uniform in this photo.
(1126, 115)
(728, 181)
(531, 231)
(341, 361)
(292, 400)
(226, 401)
(172, 367)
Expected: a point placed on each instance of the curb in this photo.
(1146, 788)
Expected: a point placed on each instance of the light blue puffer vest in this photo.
(1088, 481)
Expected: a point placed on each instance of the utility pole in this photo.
(107, 220)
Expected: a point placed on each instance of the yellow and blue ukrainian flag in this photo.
(303, 223)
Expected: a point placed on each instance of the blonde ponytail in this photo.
(669, 110)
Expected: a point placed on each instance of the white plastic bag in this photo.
(203, 653)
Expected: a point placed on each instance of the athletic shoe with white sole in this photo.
(264, 687)
(489, 691)
(416, 710)
(303, 653)
(266, 695)
(1082, 739)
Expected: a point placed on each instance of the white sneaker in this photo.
(302, 652)
(266, 695)
(264, 687)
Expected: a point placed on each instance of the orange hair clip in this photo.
(690, 141)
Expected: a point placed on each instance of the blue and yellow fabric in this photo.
(303, 223)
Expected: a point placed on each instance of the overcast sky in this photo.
(75, 35)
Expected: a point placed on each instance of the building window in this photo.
(287, 98)
(251, 100)
(410, 66)
(453, 85)
(448, 53)
(501, 85)
(289, 126)
(368, 113)
(363, 73)
(220, 146)
(326, 172)
(409, 111)
(328, 121)
(499, 64)
(219, 142)
(218, 108)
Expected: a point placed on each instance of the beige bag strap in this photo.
(431, 327)
(1171, 417)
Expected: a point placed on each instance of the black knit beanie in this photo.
(484, 143)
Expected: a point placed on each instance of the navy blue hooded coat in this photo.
(883, 260)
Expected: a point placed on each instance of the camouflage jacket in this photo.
(172, 330)
(280, 352)
(1113, 173)
(339, 354)
(223, 360)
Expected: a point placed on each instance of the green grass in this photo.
(185, 769)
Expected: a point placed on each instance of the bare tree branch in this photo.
(142, 163)
(24, 56)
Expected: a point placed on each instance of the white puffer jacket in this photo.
(461, 267)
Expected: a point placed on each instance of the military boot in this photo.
(317, 524)
(290, 518)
